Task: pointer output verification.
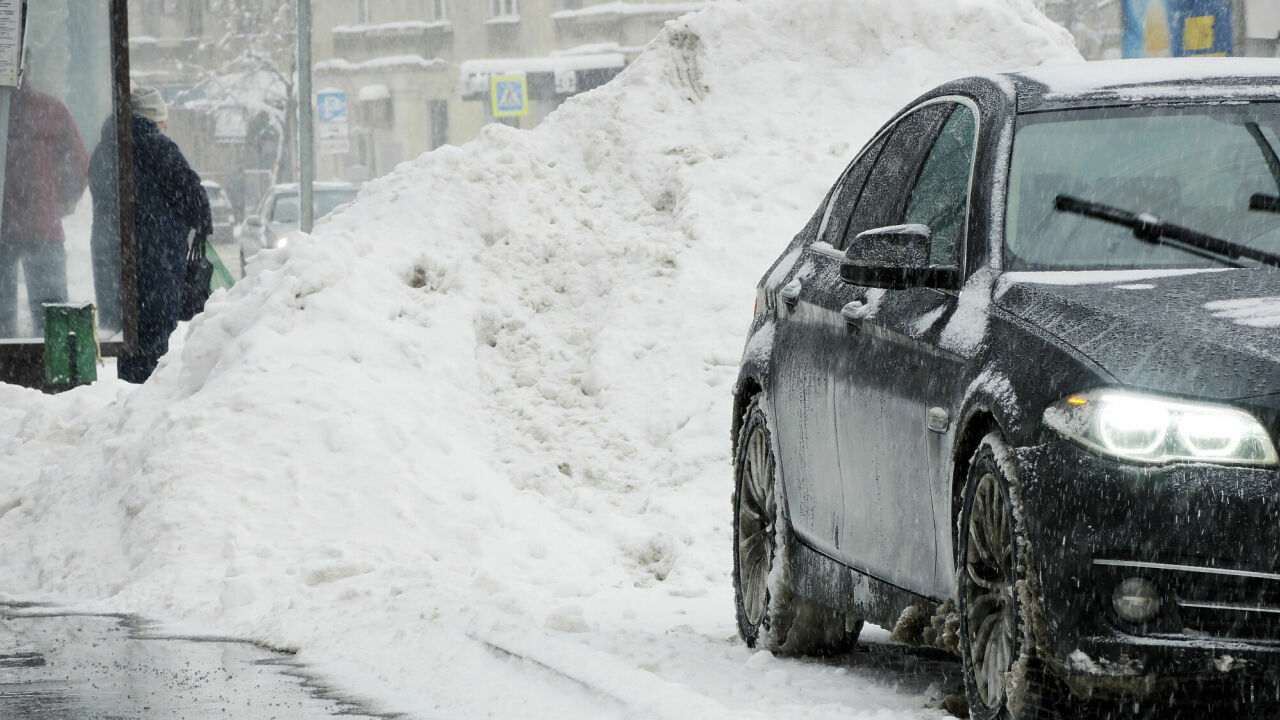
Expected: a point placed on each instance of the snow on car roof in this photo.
(1148, 79)
(330, 185)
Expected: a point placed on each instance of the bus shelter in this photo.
(66, 220)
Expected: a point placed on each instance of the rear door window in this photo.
(850, 189)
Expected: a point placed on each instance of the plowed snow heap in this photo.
(489, 401)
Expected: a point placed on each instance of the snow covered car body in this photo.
(224, 218)
(278, 214)
(914, 386)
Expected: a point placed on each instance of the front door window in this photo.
(940, 199)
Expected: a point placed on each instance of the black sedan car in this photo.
(1014, 390)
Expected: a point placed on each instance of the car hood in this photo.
(1212, 334)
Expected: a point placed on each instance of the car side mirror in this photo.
(253, 221)
(894, 258)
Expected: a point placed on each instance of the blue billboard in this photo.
(1178, 28)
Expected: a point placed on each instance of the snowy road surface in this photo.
(56, 665)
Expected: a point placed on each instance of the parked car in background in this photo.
(224, 219)
(279, 213)
(1014, 391)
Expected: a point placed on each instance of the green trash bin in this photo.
(70, 345)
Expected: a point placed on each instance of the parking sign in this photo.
(510, 95)
(331, 118)
(331, 106)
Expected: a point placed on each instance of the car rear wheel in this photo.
(1002, 680)
(769, 613)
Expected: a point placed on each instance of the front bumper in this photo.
(1207, 536)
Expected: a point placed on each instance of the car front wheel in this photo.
(769, 613)
(1002, 680)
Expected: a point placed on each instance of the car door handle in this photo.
(791, 292)
(855, 311)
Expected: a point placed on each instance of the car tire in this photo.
(770, 614)
(1002, 678)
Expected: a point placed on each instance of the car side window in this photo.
(846, 195)
(940, 198)
(884, 196)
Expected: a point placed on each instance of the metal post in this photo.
(306, 128)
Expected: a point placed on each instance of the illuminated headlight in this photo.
(1151, 429)
(282, 242)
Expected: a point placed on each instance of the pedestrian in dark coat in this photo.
(169, 202)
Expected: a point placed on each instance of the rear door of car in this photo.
(809, 333)
(883, 411)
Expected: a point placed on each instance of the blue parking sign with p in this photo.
(510, 95)
(331, 106)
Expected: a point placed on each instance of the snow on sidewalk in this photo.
(483, 413)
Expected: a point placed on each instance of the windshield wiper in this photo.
(1151, 229)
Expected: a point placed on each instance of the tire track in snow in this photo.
(638, 691)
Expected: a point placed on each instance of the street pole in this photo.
(306, 128)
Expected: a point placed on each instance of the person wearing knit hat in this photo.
(169, 203)
(149, 103)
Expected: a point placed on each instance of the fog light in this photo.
(1136, 601)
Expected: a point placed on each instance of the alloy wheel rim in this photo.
(755, 525)
(991, 613)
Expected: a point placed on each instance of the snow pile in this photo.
(485, 410)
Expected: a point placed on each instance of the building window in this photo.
(572, 4)
(439, 111)
(442, 9)
(363, 14)
(504, 7)
(376, 109)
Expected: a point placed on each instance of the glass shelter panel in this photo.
(60, 218)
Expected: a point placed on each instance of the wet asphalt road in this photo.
(56, 665)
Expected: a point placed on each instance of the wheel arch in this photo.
(978, 422)
(747, 389)
(992, 402)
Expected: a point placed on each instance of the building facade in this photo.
(1112, 29)
(416, 74)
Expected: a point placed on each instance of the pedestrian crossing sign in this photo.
(510, 95)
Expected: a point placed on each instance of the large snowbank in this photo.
(487, 405)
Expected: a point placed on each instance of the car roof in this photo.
(331, 185)
(1142, 81)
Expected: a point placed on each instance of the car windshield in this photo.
(217, 196)
(286, 207)
(1209, 170)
